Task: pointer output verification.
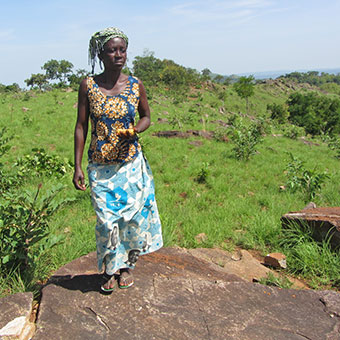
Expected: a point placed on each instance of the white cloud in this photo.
(213, 10)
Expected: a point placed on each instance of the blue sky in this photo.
(228, 37)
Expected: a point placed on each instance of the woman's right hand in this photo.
(79, 179)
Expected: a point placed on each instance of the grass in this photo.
(238, 203)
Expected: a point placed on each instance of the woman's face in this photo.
(114, 54)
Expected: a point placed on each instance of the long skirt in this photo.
(128, 223)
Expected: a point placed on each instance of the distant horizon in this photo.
(257, 75)
(224, 36)
(267, 74)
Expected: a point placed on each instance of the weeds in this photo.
(203, 173)
(334, 144)
(276, 281)
(309, 181)
(177, 120)
(220, 134)
(315, 261)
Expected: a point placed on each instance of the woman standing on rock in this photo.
(121, 182)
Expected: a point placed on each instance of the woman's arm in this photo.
(80, 134)
(143, 110)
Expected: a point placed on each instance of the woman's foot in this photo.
(125, 278)
(109, 283)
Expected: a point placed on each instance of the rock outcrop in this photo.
(15, 317)
(180, 296)
(324, 222)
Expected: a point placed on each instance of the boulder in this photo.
(179, 296)
(15, 311)
(324, 223)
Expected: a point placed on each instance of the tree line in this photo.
(313, 77)
(58, 73)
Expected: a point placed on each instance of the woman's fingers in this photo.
(126, 133)
(79, 180)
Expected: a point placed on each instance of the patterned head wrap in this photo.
(99, 39)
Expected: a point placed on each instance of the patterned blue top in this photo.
(107, 114)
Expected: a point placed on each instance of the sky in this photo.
(225, 36)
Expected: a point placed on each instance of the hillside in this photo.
(201, 184)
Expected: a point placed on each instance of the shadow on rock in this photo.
(84, 283)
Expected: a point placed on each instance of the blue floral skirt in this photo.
(128, 224)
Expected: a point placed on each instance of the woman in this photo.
(121, 182)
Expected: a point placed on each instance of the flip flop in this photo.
(109, 285)
(124, 278)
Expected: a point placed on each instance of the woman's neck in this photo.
(111, 76)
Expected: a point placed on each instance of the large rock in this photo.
(178, 296)
(240, 263)
(324, 222)
(15, 311)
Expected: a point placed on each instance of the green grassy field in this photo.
(239, 203)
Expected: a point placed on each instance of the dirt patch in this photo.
(184, 134)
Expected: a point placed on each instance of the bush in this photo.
(245, 139)
(40, 163)
(24, 215)
(23, 223)
(309, 181)
(317, 114)
(203, 173)
(278, 112)
(293, 131)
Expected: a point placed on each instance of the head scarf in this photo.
(99, 39)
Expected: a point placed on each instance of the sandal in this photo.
(109, 285)
(125, 279)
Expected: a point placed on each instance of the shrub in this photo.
(334, 144)
(203, 173)
(309, 181)
(293, 131)
(23, 223)
(315, 113)
(23, 219)
(40, 163)
(278, 112)
(245, 139)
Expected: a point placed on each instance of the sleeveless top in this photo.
(108, 113)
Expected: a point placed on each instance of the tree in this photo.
(147, 68)
(65, 69)
(244, 87)
(218, 78)
(10, 88)
(60, 70)
(75, 78)
(37, 79)
(227, 81)
(314, 112)
(206, 74)
(51, 69)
